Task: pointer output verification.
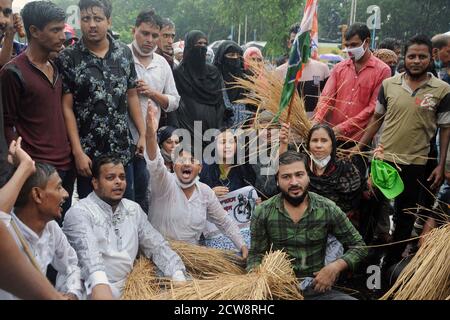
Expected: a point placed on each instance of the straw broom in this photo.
(427, 276)
(202, 262)
(273, 279)
(264, 92)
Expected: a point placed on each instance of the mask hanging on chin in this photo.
(185, 186)
(139, 51)
(356, 53)
(322, 163)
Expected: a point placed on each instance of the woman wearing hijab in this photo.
(230, 63)
(199, 85)
(336, 179)
(168, 141)
(253, 58)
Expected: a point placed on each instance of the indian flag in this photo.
(300, 54)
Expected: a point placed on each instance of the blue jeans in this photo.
(141, 180)
(84, 185)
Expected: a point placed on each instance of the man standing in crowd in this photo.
(166, 40)
(299, 223)
(108, 231)
(155, 84)
(99, 94)
(9, 26)
(412, 106)
(349, 98)
(31, 93)
(165, 49)
(441, 56)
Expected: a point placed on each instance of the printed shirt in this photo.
(412, 118)
(99, 87)
(51, 248)
(305, 241)
(348, 100)
(158, 75)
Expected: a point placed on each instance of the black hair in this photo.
(295, 28)
(40, 14)
(440, 41)
(166, 22)
(99, 162)
(291, 157)
(420, 39)
(6, 172)
(103, 4)
(390, 43)
(358, 29)
(38, 179)
(331, 134)
(149, 16)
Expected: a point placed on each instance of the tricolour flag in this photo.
(300, 54)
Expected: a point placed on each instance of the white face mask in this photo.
(185, 186)
(321, 164)
(356, 53)
(142, 54)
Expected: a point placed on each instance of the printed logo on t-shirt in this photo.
(429, 102)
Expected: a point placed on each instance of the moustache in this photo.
(292, 188)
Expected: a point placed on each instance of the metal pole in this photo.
(239, 35)
(246, 24)
(351, 12)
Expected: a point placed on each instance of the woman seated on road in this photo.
(167, 142)
(229, 181)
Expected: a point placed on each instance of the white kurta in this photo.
(107, 242)
(179, 218)
(52, 248)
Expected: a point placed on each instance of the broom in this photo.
(427, 276)
(273, 279)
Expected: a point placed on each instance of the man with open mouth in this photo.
(181, 204)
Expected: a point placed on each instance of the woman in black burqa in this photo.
(199, 85)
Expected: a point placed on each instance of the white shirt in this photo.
(108, 242)
(159, 77)
(178, 218)
(52, 248)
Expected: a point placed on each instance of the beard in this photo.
(294, 201)
(417, 75)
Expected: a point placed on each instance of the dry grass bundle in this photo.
(142, 283)
(202, 262)
(427, 276)
(264, 92)
(273, 279)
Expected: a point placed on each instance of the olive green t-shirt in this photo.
(412, 118)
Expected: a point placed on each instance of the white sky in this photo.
(18, 4)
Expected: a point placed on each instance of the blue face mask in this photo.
(438, 64)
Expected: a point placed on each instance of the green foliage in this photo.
(272, 18)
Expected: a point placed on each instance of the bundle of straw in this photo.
(273, 279)
(202, 262)
(264, 92)
(142, 283)
(427, 276)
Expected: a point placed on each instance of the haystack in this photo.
(273, 279)
(427, 276)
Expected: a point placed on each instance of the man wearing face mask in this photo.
(348, 100)
(306, 219)
(155, 83)
(441, 57)
(230, 63)
(199, 85)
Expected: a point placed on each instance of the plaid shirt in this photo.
(306, 241)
